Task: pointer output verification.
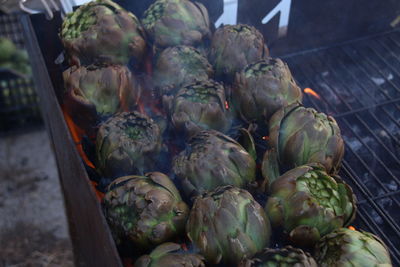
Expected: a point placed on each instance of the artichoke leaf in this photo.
(247, 141)
(269, 168)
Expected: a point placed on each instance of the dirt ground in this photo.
(33, 226)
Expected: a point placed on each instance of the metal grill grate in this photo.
(359, 84)
(18, 99)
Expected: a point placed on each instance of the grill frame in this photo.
(371, 216)
(93, 244)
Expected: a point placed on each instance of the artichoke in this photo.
(262, 88)
(146, 210)
(345, 248)
(200, 106)
(7, 49)
(176, 22)
(13, 58)
(212, 159)
(284, 257)
(178, 66)
(301, 135)
(102, 31)
(95, 91)
(127, 143)
(169, 255)
(233, 47)
(308, 204)
(228, 225)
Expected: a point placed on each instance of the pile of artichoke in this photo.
(170, 107)
(12, 58)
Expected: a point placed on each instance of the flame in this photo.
(226, 105)
(311, 92)
(99, 195)
(184, 247)
(77, 134)
(266, 138)
(351, 228)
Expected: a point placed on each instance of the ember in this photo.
(226, 105)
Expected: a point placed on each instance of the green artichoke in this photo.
(346, 248)
(178, 66)
(301, 135)
(169, 255)
(262, 88)
(284, 257)
(13, 58)
(308, 204)
(147, 210)
(7, 49)
(228, 225)
(212, 159)
(233, 47)
(95, 91)
(127, 143)
(200, 106)
(176, 22)
(102, 31)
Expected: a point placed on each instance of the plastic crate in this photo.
(18, 99)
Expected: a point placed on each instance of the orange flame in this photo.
(77, 134)
(266, 138)
(226, 105)
(351, 228)
(184, 247)
(311, 92)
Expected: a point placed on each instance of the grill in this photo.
(357, 82)
(18, 99)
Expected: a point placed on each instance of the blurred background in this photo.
(33, 224)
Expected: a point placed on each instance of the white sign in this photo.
(229, 16)
(284, 9)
